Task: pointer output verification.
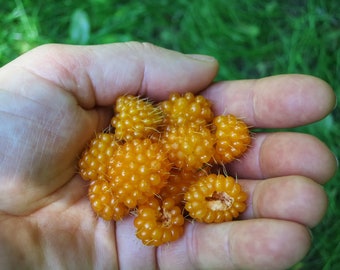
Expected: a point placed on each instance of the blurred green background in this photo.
(250, 38)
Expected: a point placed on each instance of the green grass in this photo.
(250, 39)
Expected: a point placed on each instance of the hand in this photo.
(55, 97)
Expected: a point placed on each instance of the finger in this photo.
(274, 102)
(285, 153)
(96, 75)
(292, 198)
(132, 253)
(249, 244)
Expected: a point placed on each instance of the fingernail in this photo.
(202, 57)
(335, 103)
(310, 233)
(336, 160)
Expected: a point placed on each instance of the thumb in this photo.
(96, 75)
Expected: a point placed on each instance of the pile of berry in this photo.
(158, 161)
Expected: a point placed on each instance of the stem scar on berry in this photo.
(165, 218)
(219, 201)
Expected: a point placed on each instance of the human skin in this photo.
(54, 98)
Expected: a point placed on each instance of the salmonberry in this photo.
(188, 147)
(138, 170)
(94, 161)
(104, 202)
(215, 198)
(159, 222)
(232, 138)
(187, 108)
(135, 118)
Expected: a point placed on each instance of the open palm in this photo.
(54, 98)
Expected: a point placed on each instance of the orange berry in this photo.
(232, 138)
(104, 202)
(187, 108)
(215, 198)
(138, 170)
(135, 118)
(159, 222)
(188, 147)
(95, 159)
